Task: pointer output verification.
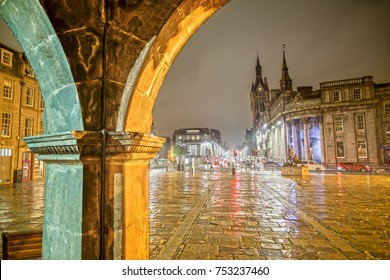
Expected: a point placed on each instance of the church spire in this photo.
(259, 78)
(285, 80)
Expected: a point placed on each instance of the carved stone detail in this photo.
(92, 143)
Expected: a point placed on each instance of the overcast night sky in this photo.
(210, 80)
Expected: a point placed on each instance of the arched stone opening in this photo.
(100, 65)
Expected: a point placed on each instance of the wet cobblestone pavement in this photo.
(251, 215)
(261, 215)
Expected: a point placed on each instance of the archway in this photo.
(96, 196)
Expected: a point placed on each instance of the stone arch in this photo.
(40, 43)
(178, 29)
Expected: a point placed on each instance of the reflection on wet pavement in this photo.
(261, 215)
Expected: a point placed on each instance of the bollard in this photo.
(233, 170)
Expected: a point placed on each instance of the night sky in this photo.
(210, 80)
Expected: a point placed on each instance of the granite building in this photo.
(344, 121)
(21, 115)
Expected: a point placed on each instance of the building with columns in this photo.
(344, 121)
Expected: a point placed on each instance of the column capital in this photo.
(72, 144)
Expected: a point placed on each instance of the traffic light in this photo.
(235, 153)
(209, 152)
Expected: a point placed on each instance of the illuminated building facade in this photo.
(202, 143)
(21, 115)
(344, 121)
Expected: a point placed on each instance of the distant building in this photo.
(202, 143)
(21, 109)
(345, 120)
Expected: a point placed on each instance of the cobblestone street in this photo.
(261, 215)
(251, 215)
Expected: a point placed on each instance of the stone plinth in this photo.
(295, 170)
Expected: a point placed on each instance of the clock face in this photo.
(260, 88)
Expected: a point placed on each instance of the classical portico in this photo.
(303, 137)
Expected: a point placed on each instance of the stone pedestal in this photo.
(96, 194)
(295, 170)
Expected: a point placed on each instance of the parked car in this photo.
(353, 166)
(272, 165)
(313, 166)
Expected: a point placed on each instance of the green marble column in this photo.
(72, 204)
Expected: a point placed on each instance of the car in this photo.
(313, 166)
(353, 166)
(272, 165)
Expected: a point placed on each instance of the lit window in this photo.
(357, 94)
(360, 122)
(336, 96)
(6, 57)
(8, 90)
(28, 129)
(338, 120)
(30, 97)
(6, 124)
(362, 149)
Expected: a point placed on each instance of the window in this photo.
(28, 128)
(6, 124)
(42, 103)
(30, 97)
(360, 122)
(29, 72)
(6, 57)
(8, 90)
(387, 108)
(338, 121)
(388, 135)
(5, 152)
(357, 94)
(41, 127)
(362, 149)
(340, 149)
(336, 96)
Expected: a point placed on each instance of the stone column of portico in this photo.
(287, 139)
(322, 139)
(294, 137)
(90, 214)
(306, 138)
